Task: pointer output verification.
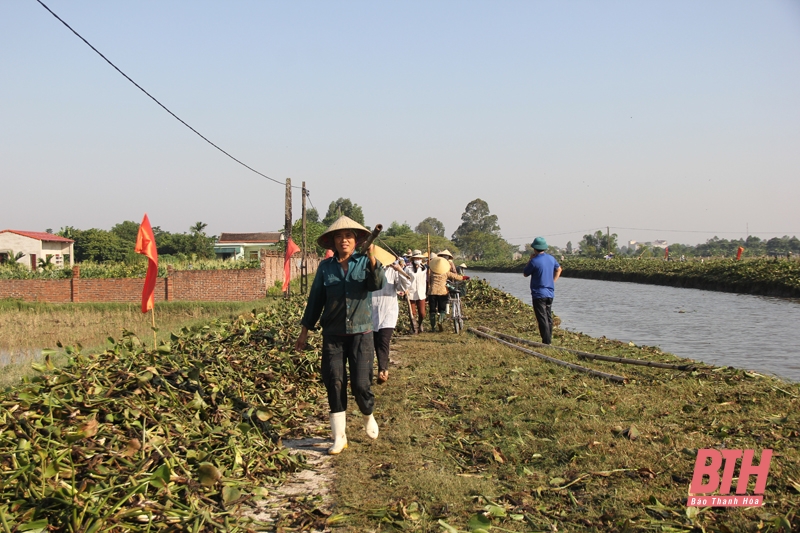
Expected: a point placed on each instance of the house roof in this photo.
(38, 235)
(250, 238)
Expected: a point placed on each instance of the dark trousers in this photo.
(382, 338)
(438, 303)
(543, 307)
(357, 352)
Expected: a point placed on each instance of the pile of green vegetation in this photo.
(181, 438)
(769, 277)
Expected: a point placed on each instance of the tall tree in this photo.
(396, 229)
(478, 236)
(343, 206)
(312, 215)
(430, 225)
(597, 244)
(127, 231)
(569, 247)
(476, 217)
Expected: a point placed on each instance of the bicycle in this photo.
(455, 291)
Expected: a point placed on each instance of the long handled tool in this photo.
(605, 375)
(372, 236)
(587, 355)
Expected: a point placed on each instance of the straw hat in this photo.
(440, 265)
(445, 253)
(383, 256)
(418, 255)
(326, 239)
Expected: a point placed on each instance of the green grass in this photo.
(469, 425)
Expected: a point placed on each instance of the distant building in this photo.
(36, 245)
(633, 245)
(245, 245)
(660, 244)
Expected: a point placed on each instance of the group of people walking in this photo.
(429, 285)
(354, 299)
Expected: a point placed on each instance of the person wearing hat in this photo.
(447, 255)
(461, 268)
(438, 274)
(544, 271)
(385, 309)
(340, 299)
(418, 291)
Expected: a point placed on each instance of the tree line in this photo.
(598, 244)
(477, 237)
(117, 244)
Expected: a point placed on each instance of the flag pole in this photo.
(153, 317)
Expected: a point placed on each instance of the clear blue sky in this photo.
(565, 117)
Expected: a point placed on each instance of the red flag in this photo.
(146, 245)
(739, 253)
(291, 249)
(666, 252)
(328, 253)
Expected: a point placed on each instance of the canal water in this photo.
(752, 332)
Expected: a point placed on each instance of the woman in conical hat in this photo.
(438, 274)
(340, 300)
(447, 255)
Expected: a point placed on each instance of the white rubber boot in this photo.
(371, 426)
(338, 427)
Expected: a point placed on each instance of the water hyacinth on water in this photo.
(176, 438)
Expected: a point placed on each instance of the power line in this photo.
(156, 100)
(703, 231)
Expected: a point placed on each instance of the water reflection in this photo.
(752, 332)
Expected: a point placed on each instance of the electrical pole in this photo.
(303, 265)
(287, 227)
(608, 240)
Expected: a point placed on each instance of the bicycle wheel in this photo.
(458, 321)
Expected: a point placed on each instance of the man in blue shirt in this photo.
(543, 270)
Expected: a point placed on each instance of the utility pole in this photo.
(303, 265)
(608, 240)
(287, 227)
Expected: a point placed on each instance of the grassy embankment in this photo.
(477, 434)
(474, 435)
(767, 277)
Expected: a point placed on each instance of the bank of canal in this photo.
(752, 332)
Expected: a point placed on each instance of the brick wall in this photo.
(39, 290)
(179, 285)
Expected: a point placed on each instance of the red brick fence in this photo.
(179, 285)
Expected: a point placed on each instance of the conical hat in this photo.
(440, 265)
(326, 239)
(386, 258)
(418, 255)
(445, 253)
(462, 265)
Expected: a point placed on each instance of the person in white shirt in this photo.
(385, 311)
(419, 287)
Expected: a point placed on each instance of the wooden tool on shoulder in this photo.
(372, 236)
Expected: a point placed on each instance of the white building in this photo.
(246, 245)
(36, 245)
